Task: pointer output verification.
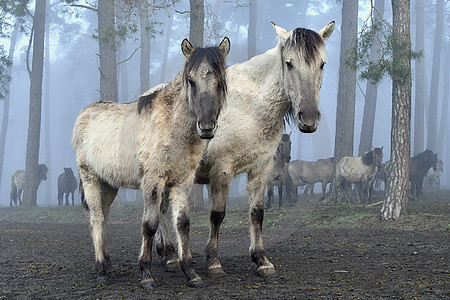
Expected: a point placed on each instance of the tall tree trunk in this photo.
(123, 71)
(145, 50)
(445, 100)
(434, 86)
(419, 100)
(197, 22)
(370, 104)
(345, 112)
(397, 189)
(48, 182)
(107, 50)
(34, 120)
(252, 23)
(5, 119)
(196, 31)
(166, 48)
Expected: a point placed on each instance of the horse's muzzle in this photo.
(206, 130)
(308, 123)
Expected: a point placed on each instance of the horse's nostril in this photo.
(207, 125)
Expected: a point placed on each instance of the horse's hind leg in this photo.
(98, 197)
(255, 189)
(181, 219)
(220, 186)
(19, 197)
(269, 195)
(280, 194)
(164, 246)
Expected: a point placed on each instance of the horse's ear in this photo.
(282, 33)
(382, 148)
(187, 48)
(224, 46)
(290, 134)
(326, 32)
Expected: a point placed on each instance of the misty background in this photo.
(71, 79)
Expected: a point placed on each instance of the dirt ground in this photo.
(49, 260)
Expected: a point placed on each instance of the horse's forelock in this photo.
(213, 57)
(309, 42)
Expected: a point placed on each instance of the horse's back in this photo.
(18, 179)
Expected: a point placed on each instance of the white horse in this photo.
(286, 80)
(360, 169)
(433, 178)
(153, 144)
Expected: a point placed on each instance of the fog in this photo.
(74, 76)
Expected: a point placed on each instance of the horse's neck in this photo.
(259, 85)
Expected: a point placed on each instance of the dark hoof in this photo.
(216, 272)
(148, 284)
(172, 265)
(195, 283)
(267, 271)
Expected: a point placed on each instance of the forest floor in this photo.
(319, 251)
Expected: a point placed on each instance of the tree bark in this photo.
(107, 50)
(434, 86)
(34, 120)
(48, 182)
(5, 119)
(145, 50)
(166, 48)
(123, 71)
(197, 22)
(370, 104)
(419, 101)
(252, 24)
(345, 112)
(397, 189)
(445, 100)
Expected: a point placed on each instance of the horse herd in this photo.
(209, 124)
(67, 184)
(366, 172)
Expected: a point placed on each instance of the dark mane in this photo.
(308, 42)
(215, 58)
(367, 158)
(146, 100)
(285, 137)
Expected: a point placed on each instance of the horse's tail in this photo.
(288, 183)
(13, 193)
(83, 200)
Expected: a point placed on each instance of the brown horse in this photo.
(276, 175)
(18, 184)
(67, 184)
(154, 144)
(418, 169)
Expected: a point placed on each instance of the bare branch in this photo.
(127, 59)
(27, 57)
(182, 12)
(84, 6)
(28, 12)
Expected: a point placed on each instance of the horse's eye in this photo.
(289, 65)
(322, 65)
(191, 82)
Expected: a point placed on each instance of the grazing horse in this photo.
(276, 175)
(284, 81)
(418, 169)
(67, 184)
(18, 184)
(153, 144)
(433, 178)
(360, 169)
(310, 172)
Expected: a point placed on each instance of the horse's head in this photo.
(42, 172)
(205, 78)
(285, 146)
(378, 158)
(440, 165)
(303, 58)
(68, 171)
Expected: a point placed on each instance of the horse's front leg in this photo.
(280, 194)
(150, 222)
(179, 196)
(269, 195)
(220, 187)
(19, 197)
(255, 189)
(67, 199)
